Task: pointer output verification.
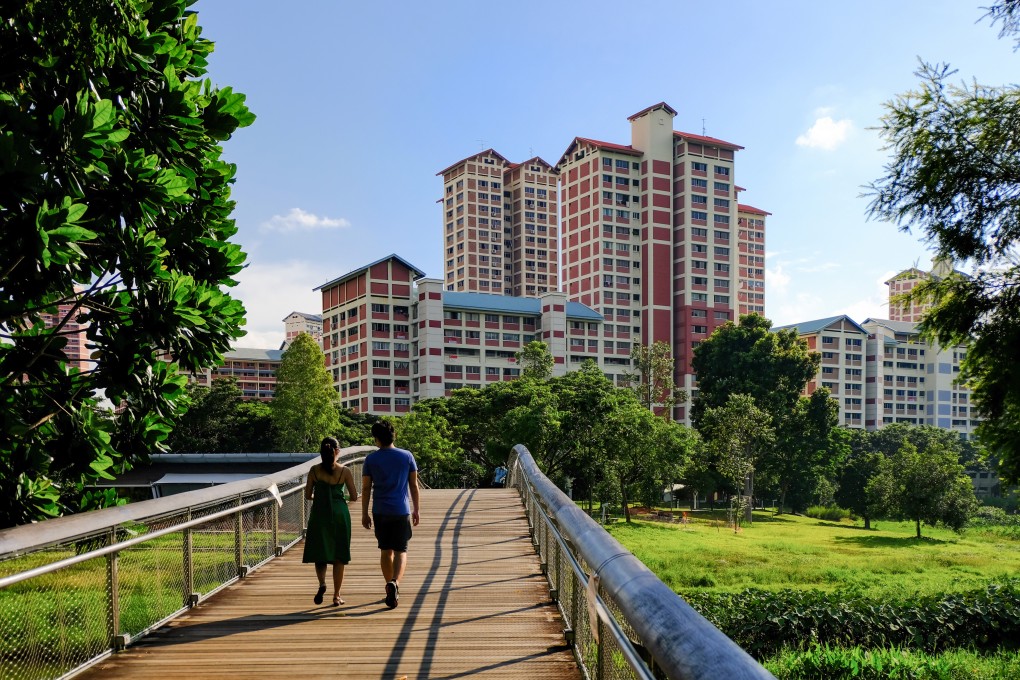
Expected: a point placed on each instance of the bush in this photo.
(831, 513)
(890, 664)
(765, 622)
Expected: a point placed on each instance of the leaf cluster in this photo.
(115, 202)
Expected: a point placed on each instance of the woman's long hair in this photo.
(326, 449)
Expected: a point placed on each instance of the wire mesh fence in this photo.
(66, 604)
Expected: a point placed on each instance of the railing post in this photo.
(188, 550)
(277, 548)
(302, 503)
(239, 540)
(117, 641)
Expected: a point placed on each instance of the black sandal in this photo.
(319, 594)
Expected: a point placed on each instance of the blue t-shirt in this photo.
(389, 469)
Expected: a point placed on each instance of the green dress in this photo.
(329, 525)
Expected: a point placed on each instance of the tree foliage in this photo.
(954, 176)
(305, 405)
(113, 200)
(803, 449)
(219, 420)
(653, 378)
(536, 361)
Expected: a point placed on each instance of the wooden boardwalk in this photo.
(472, 602)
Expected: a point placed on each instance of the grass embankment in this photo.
(790, 551)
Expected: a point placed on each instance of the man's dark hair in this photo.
(383, 431)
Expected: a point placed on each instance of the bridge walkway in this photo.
(473, 602)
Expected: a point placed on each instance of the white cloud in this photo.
(300, 220)
(826, 133)
(776, 280)
(271, 291)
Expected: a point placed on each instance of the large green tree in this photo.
(652, 377)
(535, 360)
(927, 486)
(114, 203)
(305, 404)
(219, 420)
(954, 176)
(747, 358)
(859, 465)
(441, 463)
(803, 449)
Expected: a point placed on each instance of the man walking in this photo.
(391, 475)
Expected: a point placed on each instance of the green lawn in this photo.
(789, 551)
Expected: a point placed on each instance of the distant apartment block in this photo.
(654, 238)
(906, 281)
(78, 355)
(499, 226)
(882, 372)
(393, 337)
(253, 369)
(297, 323)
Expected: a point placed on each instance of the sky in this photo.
(360, 104)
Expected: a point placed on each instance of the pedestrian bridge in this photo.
(514, 582)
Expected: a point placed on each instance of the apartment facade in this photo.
(653, 236)
(296, 323)
(393, 337)
(78, 355)
(254, 370)
(499, 226)
(841, 342)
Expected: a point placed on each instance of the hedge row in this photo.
(892, 664)
(766, 622)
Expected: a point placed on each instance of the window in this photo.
(699, 330)
(699, 313)
(492, 318)
(699, 201)
(723, 203)
(699, 297)
(379, 363)
(699, 167)
(376, 307)
(622, 164)
(722, 186)
(722, 235)
(720, 170)
(700, 183)
(722, 299)
(491, 335)
(699, 248)
(699, 215)
(721, 267)
(511, 337)
(381, 346)
(721, 219)
(380, 382)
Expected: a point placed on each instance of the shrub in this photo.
(890, 664)
(765, 622)
(831, 513)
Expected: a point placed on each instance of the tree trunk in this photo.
(918, 522)
(749, 494)
(867, 523)
(782, 500)
(623, 495)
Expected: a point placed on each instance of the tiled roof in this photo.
(894, 326)
(392, 256)
(253, 354)
(806, 327)
(743, 207)
(707, 140)
(310, 317)
(505, 303)
(663, 105)
(480, 153)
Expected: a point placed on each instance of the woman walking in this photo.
(328, 539)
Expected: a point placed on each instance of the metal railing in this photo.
(75, 589)
(622, 621)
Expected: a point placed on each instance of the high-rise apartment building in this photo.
(653, 237)
(499, 226)
(296, 323)
(78, 355)
(906, 281)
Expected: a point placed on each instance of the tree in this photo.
(653, 378)
(536, 361)
(114, 202)
(305, 405)
(747, 358)
(441, 464)
(219, 420)
(802, 448)
(860, 464)
(929, 486)
(737, 434)
(955, 176)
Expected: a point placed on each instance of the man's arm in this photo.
(412, 484)
(366, 499)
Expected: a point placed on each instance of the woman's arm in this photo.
(352, 490)
(310, 484)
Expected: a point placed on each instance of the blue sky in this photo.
(360, 104)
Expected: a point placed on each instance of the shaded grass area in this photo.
(789, 551)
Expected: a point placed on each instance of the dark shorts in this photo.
(392, 531)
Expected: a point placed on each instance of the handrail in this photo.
(681, 643)
(195, 543)
(29, 537)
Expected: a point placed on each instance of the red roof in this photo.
(480, 153)
(663, 105)
(708, 140)
(535, 159)
(741, 207)
(601, 145)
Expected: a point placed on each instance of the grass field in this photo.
(789, 551)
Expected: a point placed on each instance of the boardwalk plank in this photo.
(473, 602)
